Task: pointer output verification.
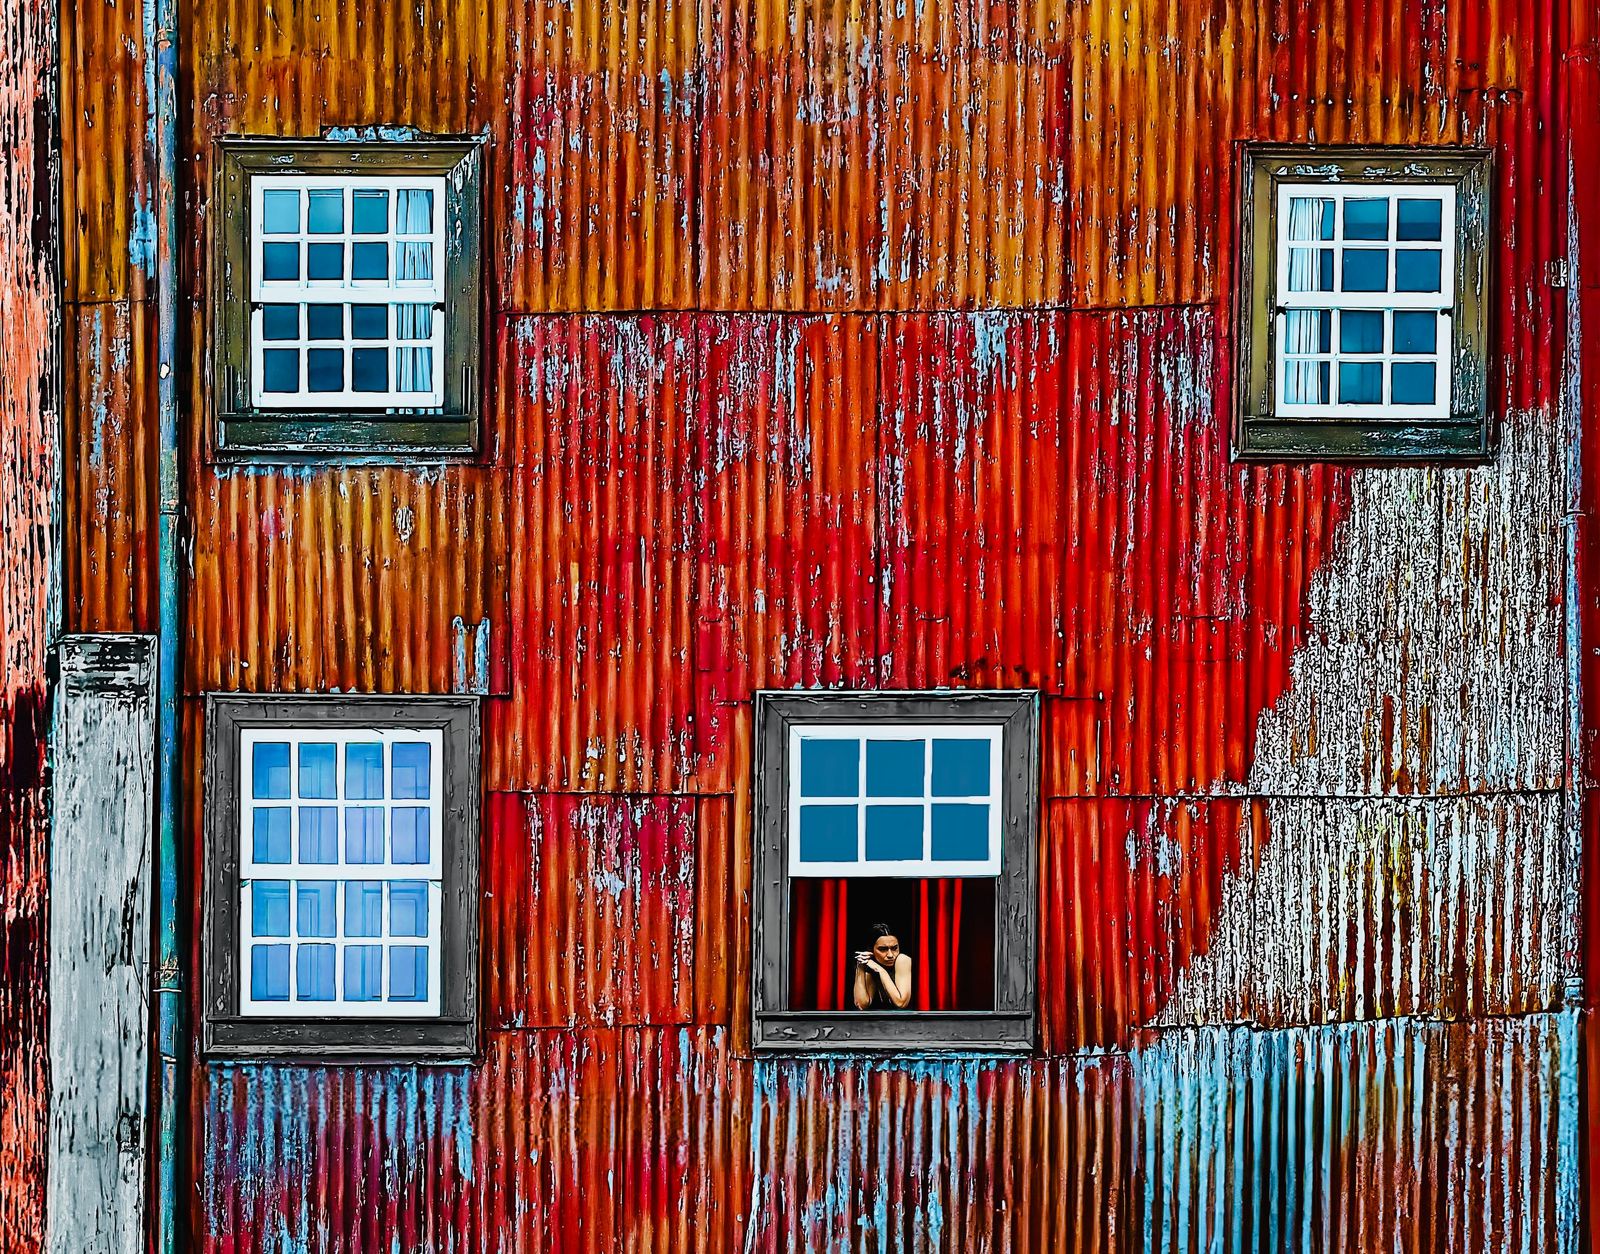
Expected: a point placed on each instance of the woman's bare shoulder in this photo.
(903, 962)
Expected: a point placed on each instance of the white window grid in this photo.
(340, 872)
(1337, 302)
(876, 868)
(392, 292)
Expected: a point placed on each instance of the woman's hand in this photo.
(864, 958)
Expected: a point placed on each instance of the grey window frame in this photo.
(1259, 433)
(1009, 1027)
(451, 1035)
(242, 431)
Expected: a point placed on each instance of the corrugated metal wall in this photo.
(889, 344)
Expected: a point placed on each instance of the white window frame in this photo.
(1440, 303)
(304, 291)
(925, 867)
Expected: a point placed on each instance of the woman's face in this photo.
(886, 949)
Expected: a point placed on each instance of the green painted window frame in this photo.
(1260, 433)
(453, 429)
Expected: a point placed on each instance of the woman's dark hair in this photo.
(879, 931)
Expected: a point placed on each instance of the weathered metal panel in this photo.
(101, 844)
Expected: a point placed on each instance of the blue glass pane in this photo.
(369, 370)
(1311, 270)
(325, 370)
(408, 973)
(269, 908)
(1412, 383)
(325, 213)
(1366, 270)
(1306, 383)
(363, 834)
(369, 211)
(1360, 383)
(319, 835)
(960, 768)
(325, 322)
(408, 908)
(316, 908)
(280, 322)
(830, 768)
(369, 261)
(319, 771)
(269, 776)
(363, 772)
(369, 322)
(280, 212)
(363, 908)
(409, 835)
(270, 834)
(363, 972)
(1417, 270)
(1310, 218)
(414, 211)
(960, 833)
(1361, 331)
(411, 763)
(313, 976)
(894, 768)
(894, 832)
(280, 262)
(325, 261)
(1418, 219)
(828, 834)
(269, 972)
(1416, 332)
(1366, 219)
(280, 370)
(1307, 331)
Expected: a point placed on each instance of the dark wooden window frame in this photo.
(245, 432)
(1259, 433)
(1009, 1027)
(453, 1034)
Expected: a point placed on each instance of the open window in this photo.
(907, 819)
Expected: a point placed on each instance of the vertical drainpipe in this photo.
(169, 971)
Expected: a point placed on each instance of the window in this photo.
(348, 296)
(1363, 304)
(341, 853)
(907, 818)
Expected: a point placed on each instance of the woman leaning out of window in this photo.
(883, 973)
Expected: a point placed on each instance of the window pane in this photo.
(270, 771)
(413, 211)
(369, 322)
(271, 834)
(363, 834)
(1366, 219)
(414, 369)
(413, 259)
(280, 262)
(1361, 331)
(363, 908)
(325, 370)
(830, 768)
(408, 908)
(363, 972)
(1306, 383)
(1412, 383)
(369, 261)
(319, 775)
(960, 833)
(269, 908)
(894, 832)
(1307, 331)
(269, 972)
(1417, 270)
(1311, 270)
(1360, 383)
(325, 213)
(828, 833)
(410, 835)
(1416, 332)
(960, 768)
(1310, 217)
(1366, 270)
(369, 370)
(316, 909)
(363, 772)
(280, 322)
(413, 322)
(313, 977)
(325, 261)
(319, 834)
(280, 211)
(1418, 219)
(408, 973)
(280, 368)
(324, 322)
(894, 768)
(369, 211)
(411, 764)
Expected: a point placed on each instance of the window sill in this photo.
(340, 437)
(999, 1033)
(1269, 439)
